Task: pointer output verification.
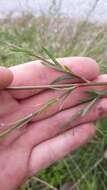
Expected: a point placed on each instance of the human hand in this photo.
(27, 150)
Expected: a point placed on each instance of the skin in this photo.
(40, 143)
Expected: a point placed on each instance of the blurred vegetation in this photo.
(86, 168)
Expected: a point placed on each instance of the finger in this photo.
(71, 101)
(54, 149)
(101, 78)
(101, 111)
(48, 128)
(6, 77)
(34, 103)
(34, 73)
(40, 131)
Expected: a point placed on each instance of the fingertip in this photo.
(89, 129)
(6, 77)
(81, 134)
(101, 78)
(59, 146)
(93, 66)
(83, 66)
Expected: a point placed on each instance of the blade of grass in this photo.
(65, 96)
(90, 106)
(83, 111)
(52, 58)
(63, 78)
(28, 118)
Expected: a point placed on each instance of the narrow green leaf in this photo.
(52, 57)
(67, 69)
(92, 92)
(28, 118)
(64, 99)
(73, 118)
(102, 93)
(89, 106)
(47, 105)
(15, 48)
(67, 76)
(58, 66)
(86, 100)
(82, 112)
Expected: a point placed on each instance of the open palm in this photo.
(27, 150)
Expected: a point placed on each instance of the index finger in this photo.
(34, 73)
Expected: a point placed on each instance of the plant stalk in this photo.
(56, 86)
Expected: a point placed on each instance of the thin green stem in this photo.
(59, 86)
(25, 120)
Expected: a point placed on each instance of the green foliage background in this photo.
(63, 37)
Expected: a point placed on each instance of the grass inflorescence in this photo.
(93, 95)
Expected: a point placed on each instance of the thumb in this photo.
(6, 77)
